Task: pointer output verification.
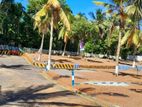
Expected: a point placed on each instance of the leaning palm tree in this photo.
(43, 29)
(52, 12)
(64, 33)
(41, 47)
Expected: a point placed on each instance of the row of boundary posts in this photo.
(11, 50)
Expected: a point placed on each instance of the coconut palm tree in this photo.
(81, 29)
(132, 37)
(41, 47)
(117, 7)
(51, 12)
(43, 29)
(134, 10)
(64, 33)
(99, 21)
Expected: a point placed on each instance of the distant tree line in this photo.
(100, 34)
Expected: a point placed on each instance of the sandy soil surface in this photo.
(74, 60)
(124, 96)
(88, 62)
(24, 86)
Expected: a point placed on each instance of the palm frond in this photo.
(126, 37)
(130, 39)
(54, 4)
(61, 33)
(43, 17)
(111, 29)
(136, 37)
(65, 20)
(41, 13)
(131, 9)
(109, 11)
(99, 3)
(66, 37)
(140, 12)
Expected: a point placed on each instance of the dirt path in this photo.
(23, 86)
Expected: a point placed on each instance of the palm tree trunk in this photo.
(40, 49)
(121, 26)
(134, 57)
(118, 53)
(50, 44)
(64, 49)
(78, 49)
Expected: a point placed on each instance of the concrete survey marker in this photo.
(127, 67)
(106, 83)
(124, 67)
(139, 68)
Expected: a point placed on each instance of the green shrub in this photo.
(89, 47)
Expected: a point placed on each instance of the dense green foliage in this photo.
(100, 35)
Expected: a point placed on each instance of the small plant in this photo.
(89, 47)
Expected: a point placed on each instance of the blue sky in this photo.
(83, 6)
(77, 6)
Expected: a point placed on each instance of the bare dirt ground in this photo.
(24, 86)
(124, 96)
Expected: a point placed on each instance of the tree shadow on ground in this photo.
(75, 57)
(125, 63)
(59, 104)
(23, 67)
(111, 94)
(137, 90)
(87, 89)
(131, 75)
(29, 96)
(89, 60)
(137, 83)
(102, 93)
(61, 60)
(60, 76)
(66, 76)
(23, 94)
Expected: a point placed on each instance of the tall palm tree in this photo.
(118, 8)
(41, 47)
(64, 33)
(80, 30)
(100, 22)
(51, 12)
(134, 10)
(132, 37)
(43, 29)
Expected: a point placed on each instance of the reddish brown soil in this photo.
(130, 96)
(75, 60)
